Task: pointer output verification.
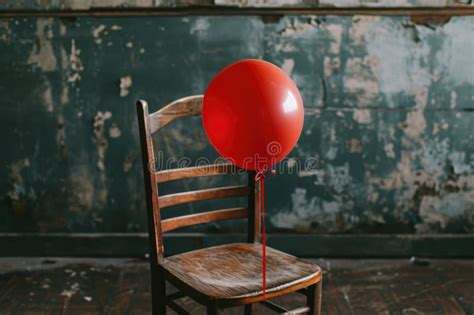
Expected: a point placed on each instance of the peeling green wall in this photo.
(389, 116)
(75, 5)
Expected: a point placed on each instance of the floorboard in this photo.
(121, 286)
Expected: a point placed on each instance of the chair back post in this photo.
(151, 188)
(254, 216)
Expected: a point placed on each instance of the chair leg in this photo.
(158, 292)
(214, 310)
(314, 297)
(248, 309)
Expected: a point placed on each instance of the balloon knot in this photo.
(261, 174)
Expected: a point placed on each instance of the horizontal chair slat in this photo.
(187, 106)
(197, 171)
(176, 307)
(204, 194)
(204, 217)
(300, 310)
(274, 307)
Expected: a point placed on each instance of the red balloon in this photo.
(253, 114)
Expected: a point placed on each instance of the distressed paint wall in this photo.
(389, 115)
(127, 4)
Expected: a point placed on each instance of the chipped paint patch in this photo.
(285, 47)
(360, 81)
(335, 30)
(82, 191)
(128, 163)
(388, 148)
(42, 54)
(302, 210)
(361, 25)
(5, 31)
(301, 206)
(362, 116)
(75, 63)
(296, 28)
(47, 97)
(61, 134)
(312, 213)
(97, 32)
(458, 162)
(114, 131)
(455, 55)
(125, 85)
(18, 189)
(356, 146)
(99, 122)
(287, 66)
(415, 124)
(339, 177)
(440, 210)
(200, 25)
(99, 126)
(331, 65)
(453, 101)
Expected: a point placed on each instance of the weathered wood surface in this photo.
(187, 106)
(203, 217)
(232, 273)
(197, 171)
(121, 286)
(202, 194)
(156, 247)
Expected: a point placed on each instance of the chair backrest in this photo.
(148, 125)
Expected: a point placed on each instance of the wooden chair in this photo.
(220, 276)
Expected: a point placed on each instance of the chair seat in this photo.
(234, 271)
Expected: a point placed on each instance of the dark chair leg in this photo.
(158, 292)
(214, 310)
(314, 297)
(249, 309)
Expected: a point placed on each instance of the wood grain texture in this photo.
(183, 107)
(232, 273)
(157, 249)
(151, 187)
(176, 307)
(275, 307)
(314, 298)
(203, 194)
(254, 220)
(204, 217)
(197, 171)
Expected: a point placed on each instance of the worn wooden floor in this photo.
(121, 286)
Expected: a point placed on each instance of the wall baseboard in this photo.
(303, 245)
